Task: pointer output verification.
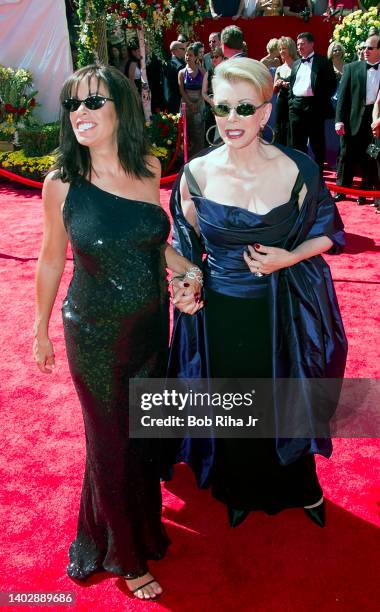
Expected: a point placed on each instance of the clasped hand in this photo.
(187, 295)
(265, 260)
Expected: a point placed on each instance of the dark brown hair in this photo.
(74, 159)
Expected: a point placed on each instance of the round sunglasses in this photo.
(244, 109)
(93, 102)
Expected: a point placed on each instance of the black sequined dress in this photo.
(116, 327)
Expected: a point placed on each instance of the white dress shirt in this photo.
(302, 85)
(373, 83)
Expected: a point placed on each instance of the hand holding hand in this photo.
(187, 296)
(44, 354)
(265, 260)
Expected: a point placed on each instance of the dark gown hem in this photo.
(268, 509)
(76, 573)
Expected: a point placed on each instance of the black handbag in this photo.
(373, 150)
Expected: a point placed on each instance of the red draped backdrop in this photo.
(258, 31)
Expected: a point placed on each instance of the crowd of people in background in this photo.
(249, 9)
(310, 91)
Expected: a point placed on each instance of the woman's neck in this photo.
(247, 159)
(338, 64)
(105, 158)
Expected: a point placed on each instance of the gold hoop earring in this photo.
(208, 139)
(271, 141)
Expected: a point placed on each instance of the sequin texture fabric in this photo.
(116, 327)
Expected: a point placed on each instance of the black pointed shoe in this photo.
(317, 514)
(236, 517)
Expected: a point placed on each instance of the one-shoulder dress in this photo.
(246, 473)
(116, 327)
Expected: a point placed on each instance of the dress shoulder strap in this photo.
(192, 183)
(297, 186)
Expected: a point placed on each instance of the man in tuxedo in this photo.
(172, 95)
(232, 40)
(214, 42)
(358, 91)
(312, 83)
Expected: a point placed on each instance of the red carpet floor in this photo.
(269, 564)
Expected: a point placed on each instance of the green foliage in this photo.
(163, 132)
(6, 132)
(152, 15)
(39, 140)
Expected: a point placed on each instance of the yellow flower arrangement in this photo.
(354, 30)
(29, 167)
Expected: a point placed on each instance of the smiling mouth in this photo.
(83, 127)
(233, 134)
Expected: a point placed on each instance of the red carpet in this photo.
(269, 564)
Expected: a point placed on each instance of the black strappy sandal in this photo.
(156, 596)
(142, 586)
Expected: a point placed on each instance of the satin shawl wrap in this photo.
(308, 338)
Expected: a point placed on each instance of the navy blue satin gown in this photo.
(246, 473)
(116, 327)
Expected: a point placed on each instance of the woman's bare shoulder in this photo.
(281, 158)
(54, 187)
(201, 166)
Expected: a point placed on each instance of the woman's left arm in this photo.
(265, 260)
(187, 279)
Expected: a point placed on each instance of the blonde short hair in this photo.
(286, 41)
(248, 70)
(332, 46)
(272, 45)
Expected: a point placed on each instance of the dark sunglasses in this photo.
(368, 48)
(245, 109)
(91, 102)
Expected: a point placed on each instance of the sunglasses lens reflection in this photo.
(92, 103)
(244, 110)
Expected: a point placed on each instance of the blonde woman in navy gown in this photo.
(263, 217)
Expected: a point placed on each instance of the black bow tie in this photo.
(307, 59)
(375, 66)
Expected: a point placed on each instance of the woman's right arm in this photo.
(50, 266)
(277, 81)
(205, 95)
(132, 74)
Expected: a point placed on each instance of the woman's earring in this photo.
(261, 134)
(208, 139)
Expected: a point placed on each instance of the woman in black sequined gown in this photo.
(104, 198)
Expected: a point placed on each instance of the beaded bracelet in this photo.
(192, 273)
